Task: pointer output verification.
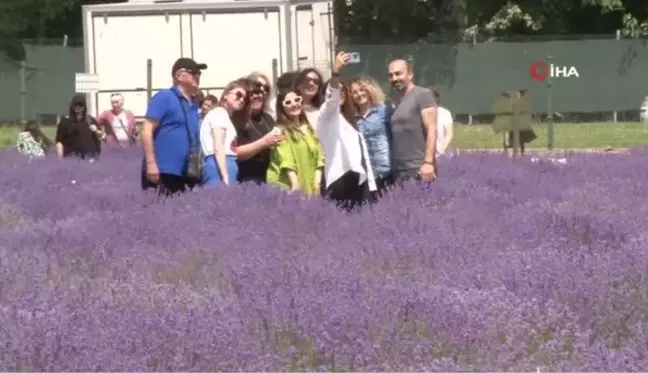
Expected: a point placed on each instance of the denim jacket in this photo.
(377, 133)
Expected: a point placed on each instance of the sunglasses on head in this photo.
(296, 100)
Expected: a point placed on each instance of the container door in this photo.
(235, 43)
(304, 36)
(122, 45)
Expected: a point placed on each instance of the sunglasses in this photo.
(240, 95)
(192, 72)
(296, 100)
(262, 88)
(315, 81)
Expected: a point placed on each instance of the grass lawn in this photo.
(566, 136)
(9, 135)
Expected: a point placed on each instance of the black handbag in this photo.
(194, 165)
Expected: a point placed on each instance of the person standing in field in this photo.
(296, 163)
(77, 134)
(413, 125)
(218, 134)
(372, 117)
(445, 125)
(349, 177)
(256, 137)
(118, 123)
(32, 142)
(170, 131)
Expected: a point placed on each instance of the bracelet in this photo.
(430, 163)
(335, 74)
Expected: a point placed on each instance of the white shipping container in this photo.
(233, 37)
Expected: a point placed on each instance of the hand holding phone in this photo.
(354, 57)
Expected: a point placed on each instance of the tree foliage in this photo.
(387, 21)
(413, 20)
(34, 19)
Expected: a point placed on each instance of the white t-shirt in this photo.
(119, 125)
(270, 108)
(312, 114)
(444, 122)
(215, 119)
(344, 147)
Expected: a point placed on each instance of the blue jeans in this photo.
(212, 175)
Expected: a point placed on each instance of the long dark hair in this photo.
(35, 131)
(302, 75)
(286, 81)
(282, 118)
(241, 117)
(347, 109)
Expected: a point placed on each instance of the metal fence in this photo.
(40, 86)
(592, 88)
(592, 78)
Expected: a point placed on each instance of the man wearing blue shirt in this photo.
(171, 129)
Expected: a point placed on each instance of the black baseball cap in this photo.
(187, 64)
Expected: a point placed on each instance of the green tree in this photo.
(39, 21)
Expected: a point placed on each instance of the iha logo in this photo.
(541, 70)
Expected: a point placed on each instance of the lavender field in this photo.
(498, 266)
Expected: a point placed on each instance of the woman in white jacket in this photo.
(349, 179)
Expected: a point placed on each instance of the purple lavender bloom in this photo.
(499, 265)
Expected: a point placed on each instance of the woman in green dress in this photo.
(297, 162)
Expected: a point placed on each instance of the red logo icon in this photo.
(539, 70)
(233, 145)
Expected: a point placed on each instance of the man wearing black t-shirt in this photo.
(253, 142)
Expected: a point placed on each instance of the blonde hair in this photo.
(254, 76)
(368, 83)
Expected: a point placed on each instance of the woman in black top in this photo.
(253, 142)
(77, 133)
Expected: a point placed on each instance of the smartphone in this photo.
(354, 58)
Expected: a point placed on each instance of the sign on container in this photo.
(86, 83)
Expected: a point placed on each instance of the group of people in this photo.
(79, 134)
(340, 139)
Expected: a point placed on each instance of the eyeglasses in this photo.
(296, 100)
